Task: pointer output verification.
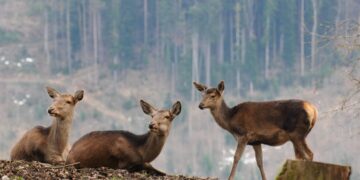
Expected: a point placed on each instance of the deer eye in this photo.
(68, 102)
(167, 117)
(213, 96)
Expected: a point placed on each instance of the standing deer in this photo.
(123, 149)
(50, 144)
(254, 123)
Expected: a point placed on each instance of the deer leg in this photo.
(259, 159)
(299, 150)
(310, 155)
(239, 150)
(151, 170)
(54, 158)
(147, 168)
(297, 153)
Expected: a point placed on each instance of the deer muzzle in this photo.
(151, 125)
(51, 111)
(201, 106)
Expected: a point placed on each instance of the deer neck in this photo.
(152, 146)
(220, 114)
(59, 133)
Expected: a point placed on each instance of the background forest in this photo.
(121, 51)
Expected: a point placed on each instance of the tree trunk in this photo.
(55, 32)
(145, 22)
(68, 36)
(221, 43)
(237, 32)
(46, 41)
(243, 46)
(157, 32)
(195, 62)
(238, 82)
(304, 170)
(231, 26)
(313, 36)
(95, 45)
(208, 62)
(84, 33)
(267, 60)
(100, 40)
(281, 45)
(174, 72)
(302, 52)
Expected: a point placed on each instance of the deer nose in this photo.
(201, 106)
(50, 110)
(151, 125)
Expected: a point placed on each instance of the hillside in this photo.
(37, 170)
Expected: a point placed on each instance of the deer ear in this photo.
(176, 108)
(147, 108)
(221, 87)
(199, 86)
(52, 92)
(79, 95)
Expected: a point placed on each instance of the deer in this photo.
(255, 123)
(120, 149)
(50, 144)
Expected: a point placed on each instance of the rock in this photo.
(308, 170)
(5, 178)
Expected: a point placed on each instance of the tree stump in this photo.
(309, 170)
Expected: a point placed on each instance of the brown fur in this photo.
(49, 144)
(123, 149)
(255, 123)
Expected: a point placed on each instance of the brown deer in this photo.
(123, 149)
(50, 144)
(254, 123)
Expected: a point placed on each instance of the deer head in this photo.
(63, 104)
(160, 119)
(211, 97)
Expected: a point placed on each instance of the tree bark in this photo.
(304, 170)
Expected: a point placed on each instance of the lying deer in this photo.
(50, 144)
(123, 149)
(254, 123)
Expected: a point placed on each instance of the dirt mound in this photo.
(37, 170)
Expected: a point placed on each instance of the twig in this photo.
(342, 107)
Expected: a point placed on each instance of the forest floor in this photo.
(37, 170)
